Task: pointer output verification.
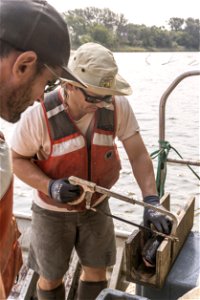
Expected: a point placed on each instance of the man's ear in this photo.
(24, 65)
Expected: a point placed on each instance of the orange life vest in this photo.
(10, 251)
(70, 155)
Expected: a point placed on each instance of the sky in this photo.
(148, 12)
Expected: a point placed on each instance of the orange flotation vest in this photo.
(70, 155)
(10, 251)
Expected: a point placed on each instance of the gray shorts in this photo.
(55, 234)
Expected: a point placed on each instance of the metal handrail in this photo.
(163, 101)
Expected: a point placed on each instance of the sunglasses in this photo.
(96, 99)
(52, 84)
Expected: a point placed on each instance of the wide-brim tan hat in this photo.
(96, 67)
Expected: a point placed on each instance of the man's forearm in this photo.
(144, 174)
(28, 172)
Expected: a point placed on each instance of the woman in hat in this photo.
(73, 133)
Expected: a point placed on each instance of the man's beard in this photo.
(16, 101)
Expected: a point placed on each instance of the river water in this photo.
(150, 74)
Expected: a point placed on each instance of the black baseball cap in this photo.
(35, 25)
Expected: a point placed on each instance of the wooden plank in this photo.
(185, 218)
(116, 272)
(165, 201)
(133, 253)
(166, 252)
(163, 262)
(29, 286)
(71, 277)
(25, 286)
(136, 270)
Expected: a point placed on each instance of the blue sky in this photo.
(148, 12)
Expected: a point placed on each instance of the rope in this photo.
(162, 154)
(186, 164)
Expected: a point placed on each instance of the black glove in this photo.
(62, 191)
(161, 222)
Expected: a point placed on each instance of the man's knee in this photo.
(55, 294)
(93, 274)
(46, 284)
(50, 290)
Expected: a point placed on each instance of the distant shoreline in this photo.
(133, 49)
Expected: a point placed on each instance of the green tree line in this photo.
(116, 33)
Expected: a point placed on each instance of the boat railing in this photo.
(164, 146)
